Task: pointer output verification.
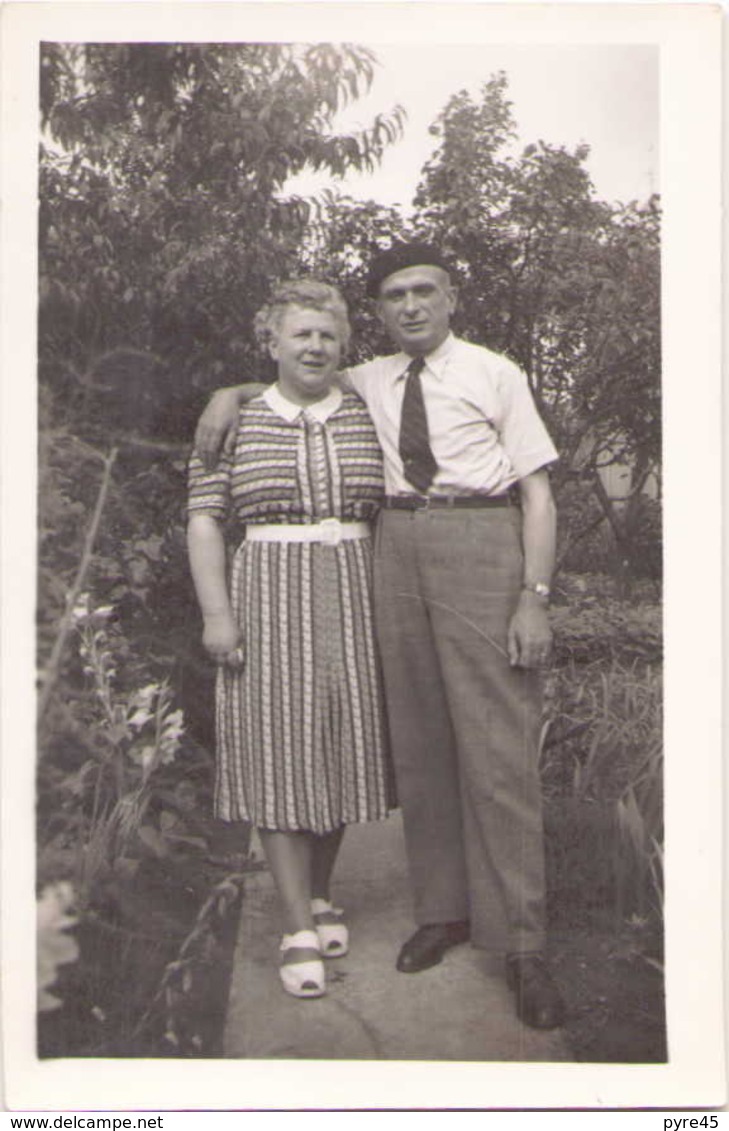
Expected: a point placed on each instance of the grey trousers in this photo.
(464, 724)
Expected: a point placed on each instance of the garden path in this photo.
(460, 1010)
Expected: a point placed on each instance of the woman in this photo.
(300, 732)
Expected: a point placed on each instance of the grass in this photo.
(602, 774)
(603, 730)
(602, 750)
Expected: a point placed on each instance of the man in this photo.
(463, 561)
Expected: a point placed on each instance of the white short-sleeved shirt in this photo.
(484, 429)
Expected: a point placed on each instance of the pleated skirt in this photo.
(301, 736)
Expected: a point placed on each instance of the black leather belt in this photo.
(425, 502)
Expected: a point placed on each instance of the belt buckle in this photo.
(331, 531)
(423, 503)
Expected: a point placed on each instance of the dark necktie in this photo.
(419, 464)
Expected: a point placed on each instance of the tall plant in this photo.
(129, 735)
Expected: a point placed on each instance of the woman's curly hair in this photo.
(309, 294)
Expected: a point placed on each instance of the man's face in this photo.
(415, 306)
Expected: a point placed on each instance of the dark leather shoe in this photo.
(429, 943)
(538, 1001)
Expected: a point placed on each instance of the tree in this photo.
(162, 220)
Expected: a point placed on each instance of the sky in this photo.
(606, 96)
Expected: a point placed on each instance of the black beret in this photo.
(397, 258)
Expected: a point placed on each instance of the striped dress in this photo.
(301, 741)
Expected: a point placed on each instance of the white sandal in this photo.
(302, 979)
(333, 937)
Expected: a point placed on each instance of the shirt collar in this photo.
(436, 361)
(320, 410)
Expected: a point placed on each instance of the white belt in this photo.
(330, 531)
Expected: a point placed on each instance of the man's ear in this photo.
(273, 348)
(452, 298)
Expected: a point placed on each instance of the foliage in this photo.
(151, 978)
(162, 220)
(592, 628)
(127, 820)
(640, 826)
(184, 983)
(129, 737)
(602, 753)
(588, 542)
(339, 249)
(604, 721)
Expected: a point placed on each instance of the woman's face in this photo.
(308, 349)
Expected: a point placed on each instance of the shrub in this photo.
(588, 543)
(591, 626)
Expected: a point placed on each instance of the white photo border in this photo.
(688, 37)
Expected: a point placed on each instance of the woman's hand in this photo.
(222, 637)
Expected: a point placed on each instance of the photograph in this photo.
(351, 529)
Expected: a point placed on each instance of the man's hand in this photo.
(530, 636)
(216, 428)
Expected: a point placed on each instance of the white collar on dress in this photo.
(320, 410)
(435, 361)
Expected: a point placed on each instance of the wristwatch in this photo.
(538, 587)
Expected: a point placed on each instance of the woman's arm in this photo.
(216, 428)
(206, 549)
